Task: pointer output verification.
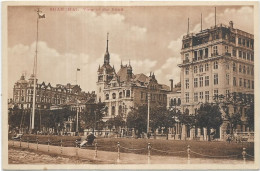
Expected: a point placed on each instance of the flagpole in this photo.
(34, 72)
(76, 75)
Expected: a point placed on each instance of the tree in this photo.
(161, 117)
(209, 116)
(250, 116)
(93, 115)
(117, 121)
(234, 120)
(137, 119)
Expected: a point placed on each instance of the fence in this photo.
(149, 149)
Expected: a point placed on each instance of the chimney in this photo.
(171, 80)
(231, 24)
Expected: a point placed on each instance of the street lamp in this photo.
(148, 115)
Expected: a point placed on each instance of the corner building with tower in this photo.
(123, 89)
(217, 63)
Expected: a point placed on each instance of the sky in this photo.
(75, 37)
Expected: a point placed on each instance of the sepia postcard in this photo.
(130, 85)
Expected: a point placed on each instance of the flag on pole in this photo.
(41, 15)
(78, 69)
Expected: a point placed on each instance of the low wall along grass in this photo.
(158, 146)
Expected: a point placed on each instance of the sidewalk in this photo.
(107, 157)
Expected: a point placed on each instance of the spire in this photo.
(121, 63)
(107, 56)
(215, 17)
(107, 42)
(188, 26)
(129, 63)
(201, 21)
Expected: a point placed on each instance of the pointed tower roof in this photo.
(107, 56)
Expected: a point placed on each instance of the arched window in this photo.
(120, 95)
(107, 96)
(113, 110)
(120, 111)
(114, 95)
(187, 111)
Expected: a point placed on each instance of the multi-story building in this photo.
(174, 103)
(216, 61)
(123, 89)
(46, 95)
(49, 97)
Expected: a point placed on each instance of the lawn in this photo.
(159, 146)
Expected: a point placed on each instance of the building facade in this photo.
(174, 103)
(123, 89)
(46, 95)
(216, 61)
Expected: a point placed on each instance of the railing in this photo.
(117, 148)
(186, 61)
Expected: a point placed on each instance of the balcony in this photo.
(186, 61)
(227, 54)
(214, 54)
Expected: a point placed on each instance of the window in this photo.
(187, 83)
(252, 71)
(244, 83)
(240, 68)
(227, 79)
(248, 83)
(120, 95)
(248, 56)
(234, 67)
(195, 69)
(215, 79)
(240, 82)
(195, 82)
(253, 85)
(127, 93)
(206, 52)
(187, 97)
(252, 57)
(201, 81)
(215, 94)
(187, 70)
(227, 93)
(206, 67)
(239, 40)
(234, 53)
(113, 110)
(216, 65)
(195, 97)
(227, 66)
(206, 80)
(179, 101)
(201, 95)
(107, 96)
(244, 69)
(201, 68)
(244, 55)
(114, 95)
(215, 50)
(248, 70)
(206, 96)
(240, 54)
(234, 81)
(186, 56)
(226, 49)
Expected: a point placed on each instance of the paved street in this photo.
(60, 155)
